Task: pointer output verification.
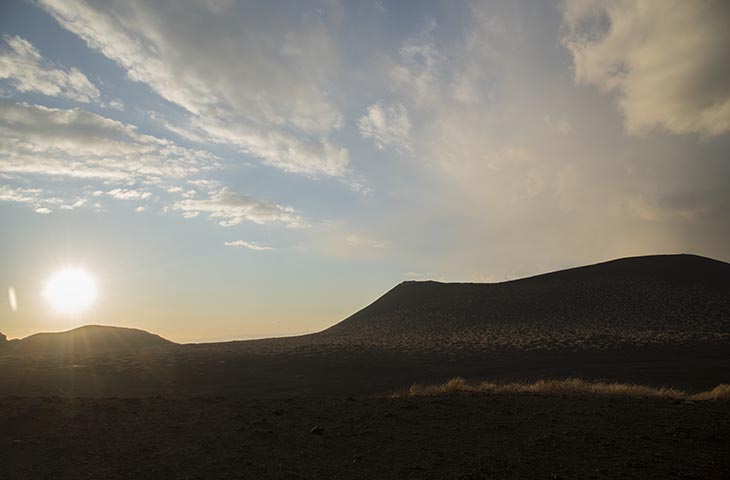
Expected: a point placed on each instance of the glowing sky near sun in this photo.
(240, 169)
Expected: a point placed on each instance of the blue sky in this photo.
(236, 170)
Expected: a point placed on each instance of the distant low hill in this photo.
(87, 340)
(641, 300)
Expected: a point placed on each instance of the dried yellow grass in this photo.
(569, 386)
(720, 392)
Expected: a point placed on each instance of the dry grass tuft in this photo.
(720, 392)
(569, 386)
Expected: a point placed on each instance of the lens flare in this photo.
(12, 299)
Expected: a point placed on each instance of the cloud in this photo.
(78, 144)
(116, 105)
(666, 61)
(29, 72)
(40, 200)
(255, 80)
(229, 209)
(387, 126)
(19, 195)
(418, 65)
(362, 241)
(249, 245)
(337, 239)
(128, 194)
(70, 156)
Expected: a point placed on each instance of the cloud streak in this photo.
(40, 200)
(262, 92)
(27, 71)
(229, 209)
(250, 245)
(74, 143)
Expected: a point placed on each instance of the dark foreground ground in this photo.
(281, 368)
(459, 436)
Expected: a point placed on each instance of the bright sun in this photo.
(70, 291)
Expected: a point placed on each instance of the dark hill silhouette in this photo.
(639, 300)
(87, 340)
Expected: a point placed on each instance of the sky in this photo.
(231, 170)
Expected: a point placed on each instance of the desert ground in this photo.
(460, 436)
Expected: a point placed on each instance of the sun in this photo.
(70, 291)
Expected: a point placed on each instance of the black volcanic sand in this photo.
(459, 436)
(277, 368)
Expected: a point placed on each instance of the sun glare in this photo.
(70, 291)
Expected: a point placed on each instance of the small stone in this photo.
(317, 430)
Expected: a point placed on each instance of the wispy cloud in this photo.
(40, 200)
(418, 66)
(27, 71)
(354, 240)
(229, 209)
(128, 194)
(263, 92)
(249, 245)
(387, 126)
(55, 149)
(76, 143)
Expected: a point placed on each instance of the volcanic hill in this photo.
(641, 300)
